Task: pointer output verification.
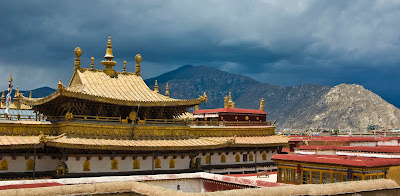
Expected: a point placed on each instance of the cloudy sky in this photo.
(278, 42)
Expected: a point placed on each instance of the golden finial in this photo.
(226, 101)
(167, 90)
(138, 59)
(205, 97)
(16, 92)
(3, 100)
(78, 53)
(109, 63)
(60, 85)
(231, 104)
(30, 94)
(196, 107)
(262, 104)
(92, 64)
(156, 87)
(109, 53)
(124, 69)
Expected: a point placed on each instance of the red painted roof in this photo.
(338, 160)
(387, 149)
(231, 110)
(340, 138)
(34, 185)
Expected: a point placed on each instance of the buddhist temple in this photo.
(106, 122)
(233, 116)
(325, 159)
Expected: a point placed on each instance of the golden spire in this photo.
(196, 107)
(156, 87)
(78, 53)
(3, 100)
(231, 104)
(124, 69)
(138, 59)
(30, 94)
(60, 85)
(226, 101)
(16, 92)
(109, 54)
(92, 64)
(262, 104)
(167, 90)
(109, 63)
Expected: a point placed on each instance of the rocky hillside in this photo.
(344, 106)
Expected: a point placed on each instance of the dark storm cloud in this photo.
(279, 42)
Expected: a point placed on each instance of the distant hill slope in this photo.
(311, 105)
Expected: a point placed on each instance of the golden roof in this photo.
(143, 145)
(19, 142)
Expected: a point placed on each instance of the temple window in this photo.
(316, 176)
(223, 159)
(29, 165)
(171, 163)
(208, 158)
(114, 164)
(237, 158)
(157, 163)
(264, 156)
(244, 157)
(4, 165)
(136, 164)
(86, 165)
(251, 157)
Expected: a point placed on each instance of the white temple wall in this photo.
(363, 143)
(45, 163)
(185, 185)
(388, 143)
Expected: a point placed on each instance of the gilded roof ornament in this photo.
(196, 107)
(78, 53)
(262, 104)
(226, 101)
(138, 59)
(156, 87)
(60, 85)
(30, 94)
(16, 92)
(124, 69)
(92, 64)
(167, 90)
(231, 104)
(109, 63)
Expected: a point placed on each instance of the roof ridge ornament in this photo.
(109, 63)
(156, 87)
(92, 64)
(167, 90)
(124, 69)
(138, 59)
(262, 104)
(78, 53)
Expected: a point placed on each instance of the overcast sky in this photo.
(277, 42)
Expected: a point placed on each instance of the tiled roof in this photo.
(230, 110)
(253, 141)
(124, 89)
(18, 142)
(341, 138)
(144, 145)
(338, 160)
(384, 149)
